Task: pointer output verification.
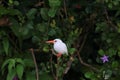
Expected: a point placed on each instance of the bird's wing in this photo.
(61, 48)
(65, 47)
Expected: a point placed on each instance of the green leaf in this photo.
(15, 27)
(20, 61)
(20, 70)
(52, 12)
(10, 1)
(118, 30)
(16, 3)
(72, 50)
(119, 53)
(3, 11)
(52, 32)
(31, 13)
(44, 14)
(115, 64)
(42, 27)
(112, 52)
(6, 45)
(88, 75)
(45, 49)
(110, 5)
(101, 52)
(5, 64)
(11, 65)
(11, 75)
(24, 30)
(54, 3)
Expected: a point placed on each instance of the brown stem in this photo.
(65, 9)
(108, 19)
(69, 63)
(57, 67)
(36, 67)
(52, 67)
(53, 52)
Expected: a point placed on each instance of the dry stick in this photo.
(68, 65)
(52, 67)
(53, 52)
(57, 67)
(36, 67)
(80, 59)
(65, 9)
(108, 19)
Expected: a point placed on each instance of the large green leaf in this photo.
(11, 65)
(52, 12)
(11, 75)
(20, 70)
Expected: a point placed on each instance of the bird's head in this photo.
(54, 41)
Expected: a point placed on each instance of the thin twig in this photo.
(57, 69)
(57, 66)
(69, 63)
(36, 67)
(52, 67)
(65, 9)
(53, 52)
(108, 19)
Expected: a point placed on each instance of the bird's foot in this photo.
(59, 55)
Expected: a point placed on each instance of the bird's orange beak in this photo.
(50, 41)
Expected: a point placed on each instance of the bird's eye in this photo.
(55, 41)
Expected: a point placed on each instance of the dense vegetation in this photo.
(90, 28)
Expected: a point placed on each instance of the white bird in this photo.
(59, 46)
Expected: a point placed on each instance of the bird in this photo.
(59, 46)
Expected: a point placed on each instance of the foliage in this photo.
(90, 28)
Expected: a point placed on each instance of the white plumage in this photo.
(60, 47)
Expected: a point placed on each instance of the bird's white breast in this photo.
(60, 47)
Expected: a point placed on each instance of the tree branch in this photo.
(52, 67)
(36, 67)
(108, 20)
(80, 59)
(65, 9)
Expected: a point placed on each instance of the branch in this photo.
(40, 3)
(80, 59)
(52, 67)
(65, 9)
(57, 67)
(108, 20)
(53, 52)
(36, 67)
(69, 63)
